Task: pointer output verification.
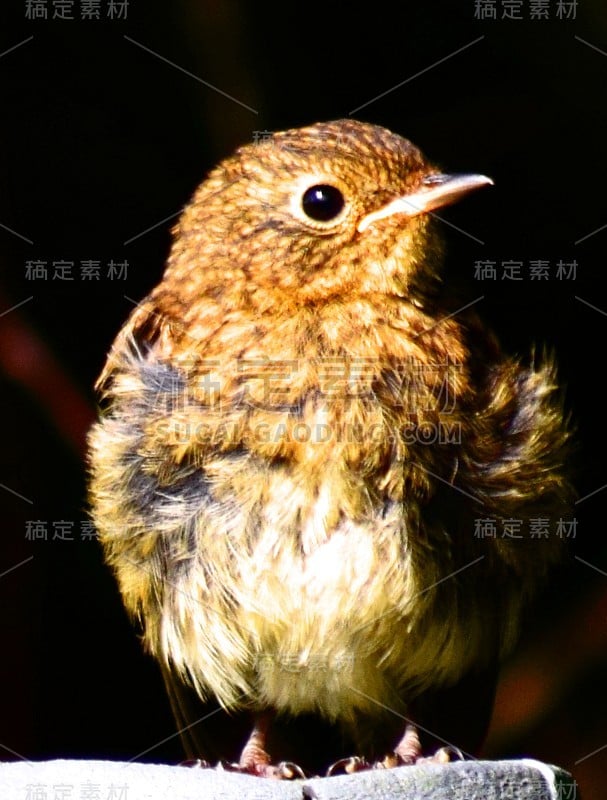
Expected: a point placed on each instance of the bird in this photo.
(302, 429)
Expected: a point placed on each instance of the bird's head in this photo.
(314, 213)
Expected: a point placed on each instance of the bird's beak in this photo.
(435, 191)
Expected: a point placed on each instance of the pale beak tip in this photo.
(437, 190)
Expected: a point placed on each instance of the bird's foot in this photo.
(283, 771)
(444, 755)
(348, 766)
(255, 759)
(407, 752)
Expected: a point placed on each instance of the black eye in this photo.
(323, 202)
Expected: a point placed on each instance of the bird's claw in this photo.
(195, 763)
(283, 771)
(229, 766)
(444, 755)
(347, 766)
(290, 771)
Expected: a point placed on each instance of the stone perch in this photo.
(525, 779)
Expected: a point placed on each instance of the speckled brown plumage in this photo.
(299, 437)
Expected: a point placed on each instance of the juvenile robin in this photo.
(302, 443)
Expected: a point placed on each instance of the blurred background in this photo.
(112, 113)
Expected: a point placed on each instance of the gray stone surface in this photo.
(110, 780)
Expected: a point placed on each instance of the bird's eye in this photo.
(323, 202)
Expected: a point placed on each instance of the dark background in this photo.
(101, 144)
